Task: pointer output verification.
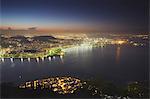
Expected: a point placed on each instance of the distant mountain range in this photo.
(26, 39)
(28, 33)
(43, 38)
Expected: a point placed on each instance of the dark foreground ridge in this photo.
(70, 87)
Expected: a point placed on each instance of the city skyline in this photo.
(74, 49)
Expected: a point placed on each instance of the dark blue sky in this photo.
(82, 15)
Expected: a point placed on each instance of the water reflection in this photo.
(118, 54)
(29, 59)
(3, 60)
(79, 48)
(22, 60)
(11, 59)
(13, 65)
(49, 58)
(61, 57)
(43, 59)
(37, 59)
(91, 63)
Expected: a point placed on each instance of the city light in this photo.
(61, 85)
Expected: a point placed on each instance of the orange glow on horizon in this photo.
(50, 29)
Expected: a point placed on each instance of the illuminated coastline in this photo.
(49, 50)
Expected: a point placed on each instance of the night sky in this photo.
(76, 15)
